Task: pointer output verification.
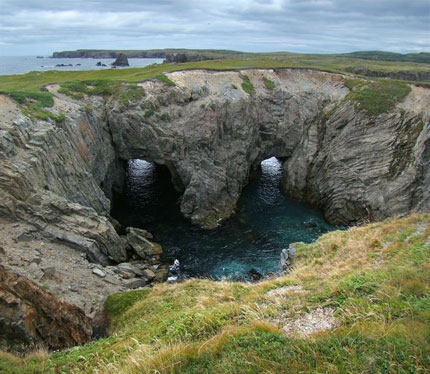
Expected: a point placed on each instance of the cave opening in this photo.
(266, 222)
(148, 195)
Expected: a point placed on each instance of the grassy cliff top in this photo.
(357, 301)
(34, 81)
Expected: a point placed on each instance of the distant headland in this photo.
(177, 54)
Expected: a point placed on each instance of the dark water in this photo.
(266, 222)
(25, 64)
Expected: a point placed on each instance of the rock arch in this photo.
(210, 132)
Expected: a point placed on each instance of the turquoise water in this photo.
(266, 222)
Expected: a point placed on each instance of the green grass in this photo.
(353, 83)
(377, 277)
(165, 79)
(33, 81)
(89, 87)
(33, 104)
(246, 84)
(42, 99)
(269, 84)
(131, 94)
(379, 96)
(148, 113)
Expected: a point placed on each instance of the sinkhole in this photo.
(266, 222)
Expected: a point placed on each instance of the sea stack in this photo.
(121, 60)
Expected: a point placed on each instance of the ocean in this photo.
(24, 64)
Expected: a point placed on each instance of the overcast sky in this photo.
(33, 27)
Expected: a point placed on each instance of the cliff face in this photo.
(51, 175)
(211, 134)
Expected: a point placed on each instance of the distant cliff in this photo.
(148, 53)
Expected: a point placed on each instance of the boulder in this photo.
(134, 283)
(99, 273)
(138, 242)
(126, 267)
(121, 60)
(287, 257)
(254, 275)
(31, 316)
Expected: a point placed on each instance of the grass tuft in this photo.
(247, 85)
(165, 79)
(89, 87)
(269, 84)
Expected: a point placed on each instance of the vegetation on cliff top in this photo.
(375, 278)
(376, 98)
(379, 96)
(34, 81)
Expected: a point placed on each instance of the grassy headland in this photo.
(376, 97)
(422, 57)
(374, 279)
(34, 81)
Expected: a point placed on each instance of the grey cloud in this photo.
(259, 25)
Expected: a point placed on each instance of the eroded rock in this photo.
(31, 316)
(287, 258)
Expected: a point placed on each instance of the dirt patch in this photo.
(318, 320)
(286, 290)
(9, 110)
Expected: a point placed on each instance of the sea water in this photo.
(266, 222)
(24, 64)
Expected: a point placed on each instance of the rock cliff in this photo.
(211, 134)
(212, 130)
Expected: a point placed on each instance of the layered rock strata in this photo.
(212, 134)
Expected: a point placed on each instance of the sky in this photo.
(40, 27)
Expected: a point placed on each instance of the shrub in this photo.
(247, 85)
(268, 83)
(148, 113)
(164, 117)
